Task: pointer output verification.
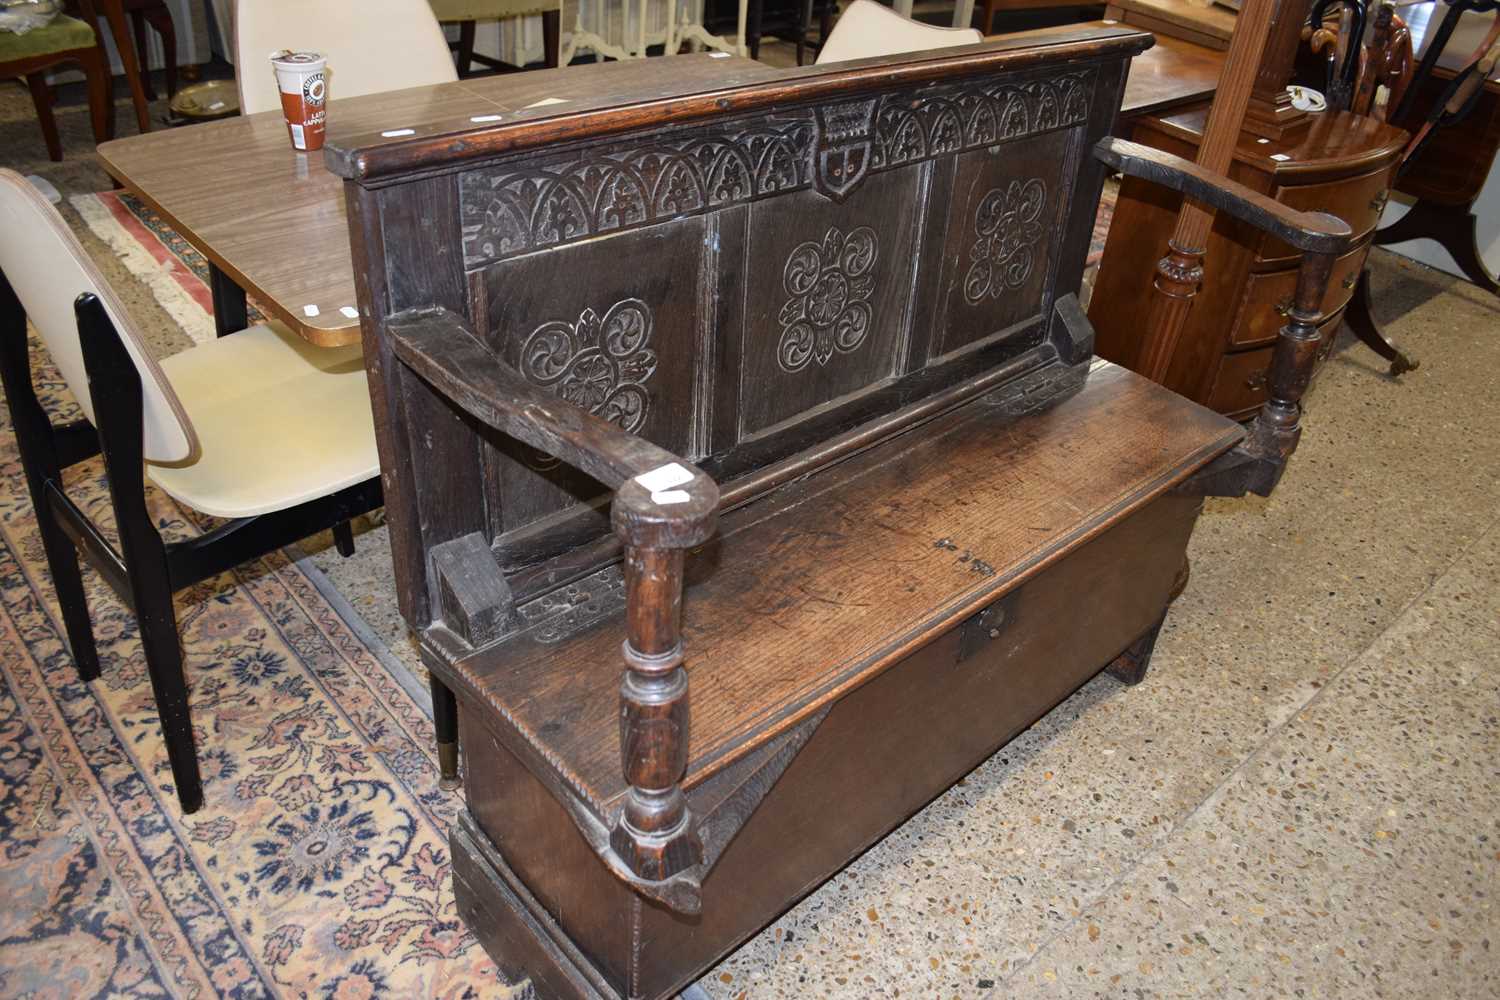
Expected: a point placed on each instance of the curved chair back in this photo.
(867, 29)
(47, 270)
(372, 45)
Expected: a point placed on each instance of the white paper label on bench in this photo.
(718, 55)
(670, 496)
(544, 102)
(1280, 157)
(349, 312)
(396, 133)
(485, 118)
(664, 477)
(310, 311)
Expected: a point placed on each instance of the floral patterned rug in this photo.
(318, 866)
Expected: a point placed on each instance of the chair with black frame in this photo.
(258, 428)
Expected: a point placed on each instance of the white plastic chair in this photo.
(372, 46)
(867, 29)
(258, 427)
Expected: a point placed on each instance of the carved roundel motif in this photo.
(599, 364)
(830, 286)
(1006, 235)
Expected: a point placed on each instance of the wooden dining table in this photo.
(271, 221)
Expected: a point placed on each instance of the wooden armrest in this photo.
(654, 844)
(1313, 232)
(438, 346)
(1256, 464)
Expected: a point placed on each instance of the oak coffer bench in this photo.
(772, 396)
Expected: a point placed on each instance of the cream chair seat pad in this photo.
(279, 422)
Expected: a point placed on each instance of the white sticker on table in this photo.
(481, 119)
(671, 496)
(664, 477)
(310, 311)
(349, 312)
(397, 133)
(547, 101)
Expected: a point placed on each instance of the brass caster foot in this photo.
(448, 779)
(1401, 364)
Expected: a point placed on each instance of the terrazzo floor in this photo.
(1303, 798)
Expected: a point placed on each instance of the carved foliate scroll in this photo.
(1007, 229)
(830, 286)
(598, 363)
(609, 187)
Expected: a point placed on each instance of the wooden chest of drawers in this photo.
(1341, 164)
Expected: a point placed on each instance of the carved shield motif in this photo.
(843, 147)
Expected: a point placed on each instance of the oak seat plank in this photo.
(910, 537)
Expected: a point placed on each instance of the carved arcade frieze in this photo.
(517, 208)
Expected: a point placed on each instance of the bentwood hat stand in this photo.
(258, 428)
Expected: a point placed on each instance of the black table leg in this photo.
(1452, 227)
(1362, 321)
(231, 315)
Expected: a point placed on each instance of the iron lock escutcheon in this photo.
(984, 627)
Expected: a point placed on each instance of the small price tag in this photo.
(310, 310)
(670, 496)
(664, 478)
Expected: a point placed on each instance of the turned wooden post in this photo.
(655, 835)
(1180, 272)
(1274, 433)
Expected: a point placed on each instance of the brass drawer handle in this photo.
(1377, 203)
(1256, 380)
(1284, 307)
(1351, 279)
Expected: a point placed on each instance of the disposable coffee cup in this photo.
(304, 93)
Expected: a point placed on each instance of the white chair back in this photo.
(48, 269)
(866, 29)
(372, 46)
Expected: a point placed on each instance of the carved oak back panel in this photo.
(742, 285)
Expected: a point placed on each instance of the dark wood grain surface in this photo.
(813, 592)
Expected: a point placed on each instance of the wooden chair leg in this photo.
(343, 539)
(41, 96)
(752, 27)
(151, 592)
(551, 37)
(101, 94)
(114, 15)
(39, 462)
(138, 33)
(116, 391)
(445, 725)
(804, 25)
(987, 17)
(466, 31)
(160, 18)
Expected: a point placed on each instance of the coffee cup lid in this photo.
(300, 60)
